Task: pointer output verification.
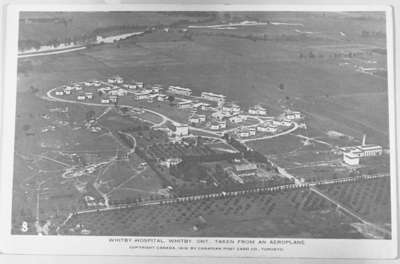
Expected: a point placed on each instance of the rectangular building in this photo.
(245, 169)
(220, 98)
(184, 104)
(179, 90)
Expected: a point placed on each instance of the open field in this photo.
(369, 199)
(44, 27)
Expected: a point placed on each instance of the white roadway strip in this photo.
(50, 52)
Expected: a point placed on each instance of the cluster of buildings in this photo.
(270, 125)
(109, 91)
(179, 90)
(220, 115)
(78, 89)
(257, 110)
(175, 130)
(241, 169)
(353, 154)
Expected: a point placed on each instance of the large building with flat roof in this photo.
(179, 90)
(220, 98)
(352, 155)
(245, 169)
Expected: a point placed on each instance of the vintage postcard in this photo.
(248, 131)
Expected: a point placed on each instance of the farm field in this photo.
(45, 27)
(289, 214)
(370, 199)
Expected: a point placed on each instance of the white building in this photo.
(221, 124)
(156, 88)
(115, 79)
(236, 118)
(178, 130)
(162, 97)
(184, 104)
(139, 84)
(105, 101)
(118, 92)
(371, 150)
(81, 97)
(220, 98)
(179, 90)
(205, 107)
(244, 133)
(59, 92)
(231, 107)
(286, 122)
(89, 95)
(113, 98)
(292, 115)
(214, 126)
(252, 131)
(352, 155)
(245, 169)
(219, 115)
(141, 95)
(267, 127)
(263, 128)
(111, 80)
(197, 119)
(257, 110)
(129, 86)
(170, 162)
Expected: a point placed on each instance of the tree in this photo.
(171, 98)
(90, 115)
(26, 127)
(281, 86)
(34, 89)
(124, 110)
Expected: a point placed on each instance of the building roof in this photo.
(369, 147)
(185, 102)
(231, 105)
(245, 167)
(179, 88)
(213, 94)
(171, 126)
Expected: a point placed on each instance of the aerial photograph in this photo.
(256, 124)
